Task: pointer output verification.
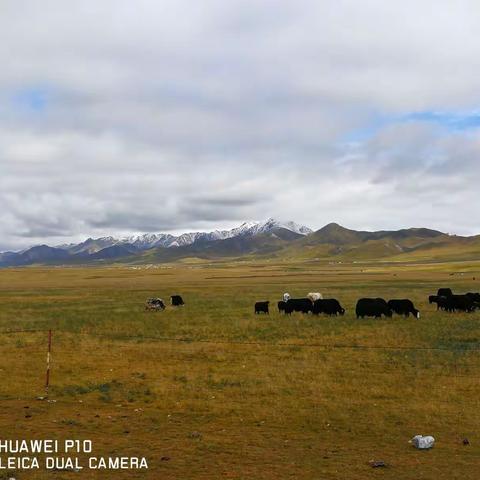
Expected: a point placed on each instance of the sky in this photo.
(118, 117)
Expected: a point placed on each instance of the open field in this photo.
(221, 393)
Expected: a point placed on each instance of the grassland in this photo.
(211, 391)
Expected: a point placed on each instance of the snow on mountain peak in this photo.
(145, 241)
(273, 223)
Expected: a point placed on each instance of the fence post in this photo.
(49, 351)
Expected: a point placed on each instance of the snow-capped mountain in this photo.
(255, 228)
(152, 240)
(111, 247)
(148, 240)
(254, 239)
(247, 229)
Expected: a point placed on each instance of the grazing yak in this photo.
(372, 307)
(403, 307)
(262, 307)
(304, 305)
(282, 307)
(329, 306)
(454, 303)
(313, 296)
(176, 300)
(433, 299)
(474, 296)
(442, 302)
(444, 292)
(154, 304)
(462, 303)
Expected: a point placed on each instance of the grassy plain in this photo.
(212, 391)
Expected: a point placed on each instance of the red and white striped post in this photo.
(47, 380)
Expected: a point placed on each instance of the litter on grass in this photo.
(423, 443)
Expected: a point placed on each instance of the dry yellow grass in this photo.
(269, 396)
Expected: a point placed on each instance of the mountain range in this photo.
(271, 238)
(108, 248)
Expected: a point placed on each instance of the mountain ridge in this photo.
(336, 234)
(254, 239)
(150, 240)
(109, 247)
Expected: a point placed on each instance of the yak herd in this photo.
(372, 307)
(315, 304)
(446, 300)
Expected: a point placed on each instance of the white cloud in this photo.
(155, 115)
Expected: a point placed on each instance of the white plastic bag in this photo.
(421, 442)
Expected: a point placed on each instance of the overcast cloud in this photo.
(119, 117)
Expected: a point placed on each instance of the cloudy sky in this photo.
(156, 115)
